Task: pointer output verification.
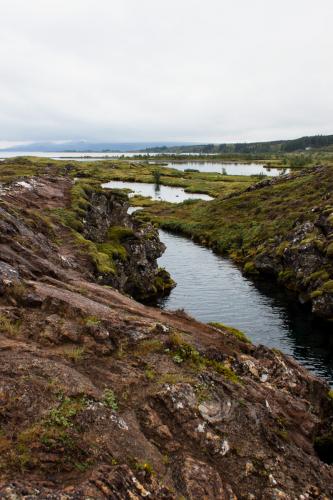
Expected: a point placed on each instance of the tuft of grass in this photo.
(234, 331)
(150, 374)
(74, 354)
(18, 290)
(175, 378)
(9, 326)
(147, 347)
(92, 321)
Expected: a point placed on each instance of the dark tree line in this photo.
(288, 146)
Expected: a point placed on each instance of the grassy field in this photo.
(102, 171)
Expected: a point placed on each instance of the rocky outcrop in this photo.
(42, 233)
(102, 397)
(302, 260)
(136, 270)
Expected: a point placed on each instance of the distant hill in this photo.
(280, 146)
(89, 147)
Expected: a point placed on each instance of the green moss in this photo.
(224, 370)
(316, 293)
(182, 352)
(327, 287)
(282, 433)
(329, 250)
(102, 261)
(163, 282)
(92, 321)
(112, 250)
(237, 333)
(250, 268)
(150, 374)
(321, 275)
(79, 198)
(281, 248)
(286, 275)
(68, 218)
(120, 233)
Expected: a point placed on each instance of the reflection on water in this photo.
(229, 168)
(160, 193)
(212, 288)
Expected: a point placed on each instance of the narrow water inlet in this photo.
(211, 288)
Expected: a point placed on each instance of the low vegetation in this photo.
(233, 331)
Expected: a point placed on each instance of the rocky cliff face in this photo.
(135, 246)
(302, 258)
(102, 397)
(37, 221)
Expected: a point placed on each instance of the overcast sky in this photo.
(175, 70)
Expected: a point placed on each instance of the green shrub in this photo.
(63, 415)
(110, 400)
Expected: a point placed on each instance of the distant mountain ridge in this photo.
(279, 146)
(90, 147)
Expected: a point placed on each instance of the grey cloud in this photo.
(177, 70)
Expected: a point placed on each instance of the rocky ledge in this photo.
(103, 397)
(302, 258)
(54, 224)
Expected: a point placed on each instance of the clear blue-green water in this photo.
(211, 288)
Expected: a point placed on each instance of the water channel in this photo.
(212, 288)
